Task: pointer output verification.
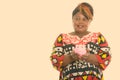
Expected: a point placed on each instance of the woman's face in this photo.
(80, 23)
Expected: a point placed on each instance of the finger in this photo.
(76, 57)
(72, 52)
(86, 55)
(88, 51)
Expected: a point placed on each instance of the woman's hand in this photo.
(91, 58)
(70, 58)
(74, 56)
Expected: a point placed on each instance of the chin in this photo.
(81, 31)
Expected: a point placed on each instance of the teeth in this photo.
(80, 26)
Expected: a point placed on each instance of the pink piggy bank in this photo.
(80, 50)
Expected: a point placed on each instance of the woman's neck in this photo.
(81, 34)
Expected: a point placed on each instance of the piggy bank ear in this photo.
(84, 46)
(77, 46)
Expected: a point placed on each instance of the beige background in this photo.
(28, 29)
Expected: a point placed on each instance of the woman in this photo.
(74, 62)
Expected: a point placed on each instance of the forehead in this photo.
(79, 14)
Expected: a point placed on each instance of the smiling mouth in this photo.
(80, 26)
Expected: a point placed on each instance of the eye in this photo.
(77, 18)
(85, 19)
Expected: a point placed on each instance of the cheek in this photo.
(86, 24)
(75, 23)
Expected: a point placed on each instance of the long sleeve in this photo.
(103, 56)
(57, 55)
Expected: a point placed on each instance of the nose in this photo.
(80, 21)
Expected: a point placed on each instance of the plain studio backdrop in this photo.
(28, 29)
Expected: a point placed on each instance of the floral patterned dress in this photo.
(81, 70)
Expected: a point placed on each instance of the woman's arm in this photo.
(103, 57)
(91, 58)
(57, 55)
(70, 58)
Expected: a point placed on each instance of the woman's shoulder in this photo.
(62, 34)
(89, 32)
(96, 33)
(72, 33)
